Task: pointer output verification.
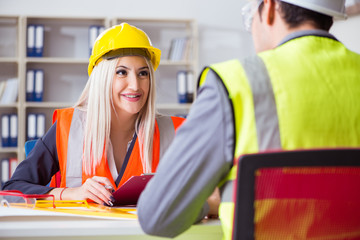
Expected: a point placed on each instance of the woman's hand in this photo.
(95, 189)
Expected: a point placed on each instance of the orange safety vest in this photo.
(70, 161)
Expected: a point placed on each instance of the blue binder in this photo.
(31, 126)
(35, 40)
(34, 85)
(4, 170)
(39, 40)
(39, 85)
(181, 86)
(30, 42)
(35, 126)
(189, 87)
(185, 86)
(5, 130)
(30, 85)
(13, 138)
(40, 125)
(94, 32)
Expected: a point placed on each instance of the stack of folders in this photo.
(7, 168)
(185, 86)
(35, 126)
(34, 85)
(35, 40)
(94, 32)
(9, 90)
(180, 49)
(9, 130)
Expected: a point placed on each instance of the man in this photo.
(301, 91)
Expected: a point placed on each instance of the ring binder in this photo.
(13, 130)
(31, 127)
(39, 85)
(5, 130)
(181, 86)
(30, 85)
(30, 40)
(39, 41)
(94, 32)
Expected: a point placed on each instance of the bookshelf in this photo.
(10, 67)
(65, 59)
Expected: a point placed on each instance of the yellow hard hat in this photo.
(123, 36)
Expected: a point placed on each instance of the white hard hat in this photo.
(334, 8)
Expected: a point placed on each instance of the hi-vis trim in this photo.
(166, 137)
(76, 136)
(266, 118)
(267, 122)
(227, 191)
(74, 150)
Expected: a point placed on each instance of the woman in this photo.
(111, 133)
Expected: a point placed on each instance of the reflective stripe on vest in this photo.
(265, 129)
(75, 150)
(267, 122)
(265, 113)
(166, 137)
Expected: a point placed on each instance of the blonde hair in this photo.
(96, 100)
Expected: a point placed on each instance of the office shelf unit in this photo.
(10, 67)
(65, 59)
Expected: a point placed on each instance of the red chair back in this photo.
(312, 194)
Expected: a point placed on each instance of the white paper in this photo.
(11, 91)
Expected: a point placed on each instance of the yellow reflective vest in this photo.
(303, 94)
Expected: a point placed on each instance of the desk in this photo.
(84, 228)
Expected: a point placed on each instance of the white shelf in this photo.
(57, 60)
(9, 150)
(48, 104)
(9, 105)
(8, 60)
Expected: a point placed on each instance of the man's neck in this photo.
(283, 31)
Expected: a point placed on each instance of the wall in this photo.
(221, 34)
(348, 32)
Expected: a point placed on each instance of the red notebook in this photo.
(129, 192)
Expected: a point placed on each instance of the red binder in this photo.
(129, 192)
